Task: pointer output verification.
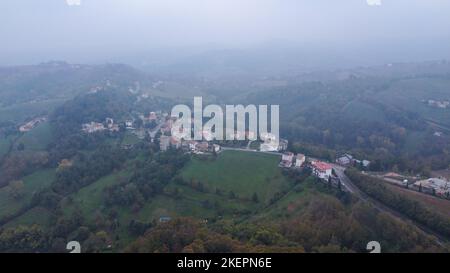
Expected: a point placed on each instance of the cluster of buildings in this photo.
(151, 117)
(167, 142)
(439, 187)
(349, 160)
(96, 89)
(196, 147)
(93, 127)
(270, 143)
(65, 163)
(289, 160)
(434, 186)
(139, 130)
(201, 147)
(438, 103)
(31, 124)
(152, 123)
(319, 169)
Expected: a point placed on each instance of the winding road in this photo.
(347, 183)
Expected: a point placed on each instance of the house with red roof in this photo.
(321, 169)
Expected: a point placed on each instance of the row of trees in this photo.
(413, 209)
(88, 168)
(149, 179)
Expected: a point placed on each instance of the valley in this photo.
(121, 189)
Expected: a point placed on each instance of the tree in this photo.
(23, 239)
(231, 195)
(21, 147)
(16, 189)
(201, 187)
(218, 191)
(255, 198)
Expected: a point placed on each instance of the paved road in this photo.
(345, 181)
(249, 151)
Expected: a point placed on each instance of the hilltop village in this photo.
(157, 128)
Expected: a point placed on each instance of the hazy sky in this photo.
(41, 30)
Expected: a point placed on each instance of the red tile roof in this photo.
(322, 166)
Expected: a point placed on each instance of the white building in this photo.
(287, 157)
(269, 147)
(345, 159)
(31, 124)
(322, 170)
(216, 148)
(268, 137)
(283, 145)
(286, 160)
(129, 124)
(109, 122)
(164, 143)
(366, 163)
(192, 145)
(93, 127)
(300, 160)
(436, 186)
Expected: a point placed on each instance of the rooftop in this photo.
(322, 166)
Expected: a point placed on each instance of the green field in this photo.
(191, 204)
(35, 216)
(20, 112)
(90, 198)
(244, 173)
(31, 184)
(5, 143)
(260, 174)
(38, 138)
(130, 139)
(293, 202)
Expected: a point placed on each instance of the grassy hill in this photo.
(35, 216)
(241, 172)
(38, 138)
(19, 112)
(291, 213)
(5, 143)
(31, 184)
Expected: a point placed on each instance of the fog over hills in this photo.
(147, 33)
(92, 153)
